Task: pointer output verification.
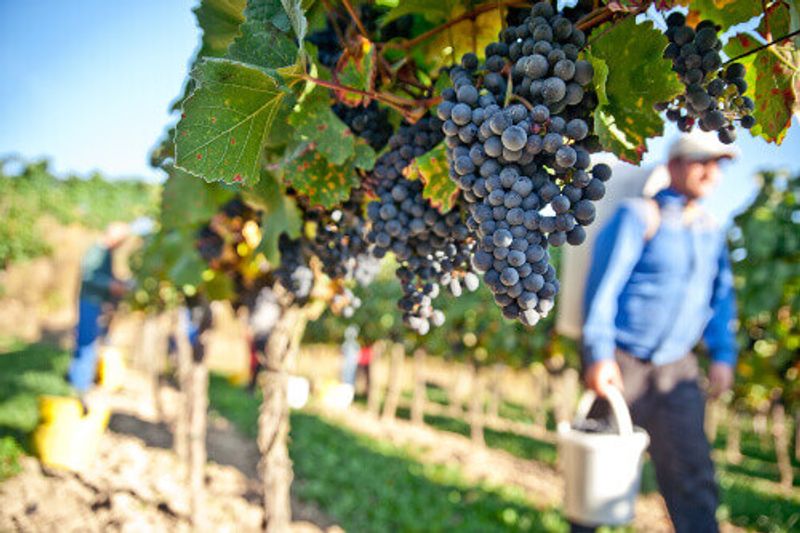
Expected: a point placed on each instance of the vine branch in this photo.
(764, 46)
(404, 106)
(485, 8)
(361, 29)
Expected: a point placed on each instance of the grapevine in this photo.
(511, 160)
(715, 95)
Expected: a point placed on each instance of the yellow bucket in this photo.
(239, 378)
(65, 437)
(111, 368)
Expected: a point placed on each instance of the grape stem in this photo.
(523, 101)
(405, 45)
(362, 30)
(765, 46)
(404, 106)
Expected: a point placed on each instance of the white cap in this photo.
(701, 146)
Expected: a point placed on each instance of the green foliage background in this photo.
(35, 192)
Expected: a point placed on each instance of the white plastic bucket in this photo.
(602, 471)
(297, 389)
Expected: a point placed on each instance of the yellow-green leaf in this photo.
(434, 171)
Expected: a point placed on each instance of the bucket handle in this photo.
(618, 407)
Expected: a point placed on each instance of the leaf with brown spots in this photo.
(356, 68)
(314, 122)
(433, 169)
(226, 120)
(322, 181)
(630, 77)
(725, 12)
(770, 85)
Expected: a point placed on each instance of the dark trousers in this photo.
(668, 403)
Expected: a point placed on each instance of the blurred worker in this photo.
(99, 287)
(660, 280)
(364, 362)
(350, 351)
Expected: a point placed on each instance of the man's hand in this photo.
(118, 288)
(604, 374)
(720, 379)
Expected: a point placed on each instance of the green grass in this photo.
(748, 497)
(370, 485)
(10, 452)
(27, 372)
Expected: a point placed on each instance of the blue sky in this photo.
(88, 83)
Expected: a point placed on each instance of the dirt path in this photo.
(135, 482)
(542, 483)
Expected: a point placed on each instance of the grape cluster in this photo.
(294, 273)
(216, 240)
(209, 244)
(370, 122)
(432, 248)
(340, 241)
(512, 160)
(714, 96)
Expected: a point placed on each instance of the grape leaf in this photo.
(280, 214)
(431, 11)
(779, 18)
(637, 78)
(226, 120)
(297, 18)
(185, 266)
(725, 12)
(434, 171)
(364, 156)
(314, 121)
(324, 183)
(470, 35)
(265, 40)
(189, 202)
(769, 83)
(219, 21)
(357, 70)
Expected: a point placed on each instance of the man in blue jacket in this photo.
(98, 287)
(660, 281)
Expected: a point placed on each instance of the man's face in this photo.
(695, 179)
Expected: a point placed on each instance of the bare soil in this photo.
(135, 483)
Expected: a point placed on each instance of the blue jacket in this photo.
(96, 275)
(656, 298)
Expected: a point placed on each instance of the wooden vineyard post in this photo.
(153, 346)
(455, 409)
(420, 393)
(476, 415)
(797, 435)
(780, 434)
(761, 426)
(198, 401)
(712, 419)
(538, 396)
(273, 421)
(567, 390)
(495, 392)
(395, 382)
(733, 448)
(374, 390)
(183, 371)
